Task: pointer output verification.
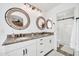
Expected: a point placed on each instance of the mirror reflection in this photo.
(49, 24)
(40, 22)
(17, 18)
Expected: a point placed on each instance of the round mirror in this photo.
(40, 22)
(49, 24)
(17, 18)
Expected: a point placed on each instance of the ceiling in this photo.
(45, 7)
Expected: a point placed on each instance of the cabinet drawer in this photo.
(40, 45)
(41, 52)
(41, 40)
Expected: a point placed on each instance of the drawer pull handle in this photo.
(41, 39)
(26, 51)
(50, 41)
(41, 52)
(23, 52)
(41, 43)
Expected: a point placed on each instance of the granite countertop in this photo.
(29, 36)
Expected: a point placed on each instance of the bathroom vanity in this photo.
(37, 44)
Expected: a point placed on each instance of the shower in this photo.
(65, 23)
(64, 31)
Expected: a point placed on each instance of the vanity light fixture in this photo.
(33, 7)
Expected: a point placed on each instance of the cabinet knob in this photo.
(41, 43)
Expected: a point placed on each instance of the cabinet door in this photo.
(53, 42)
(41, 52)
(20, 49)
(47, 45)
(17, 52)
(31, 50)
(40, 46)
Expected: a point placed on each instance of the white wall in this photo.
(61, 7)
(33, 14)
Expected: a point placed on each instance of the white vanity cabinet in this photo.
(49, 44)
(27, 48)
(39, 47)
(44, 45)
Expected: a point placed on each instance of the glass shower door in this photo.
(64, 31)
